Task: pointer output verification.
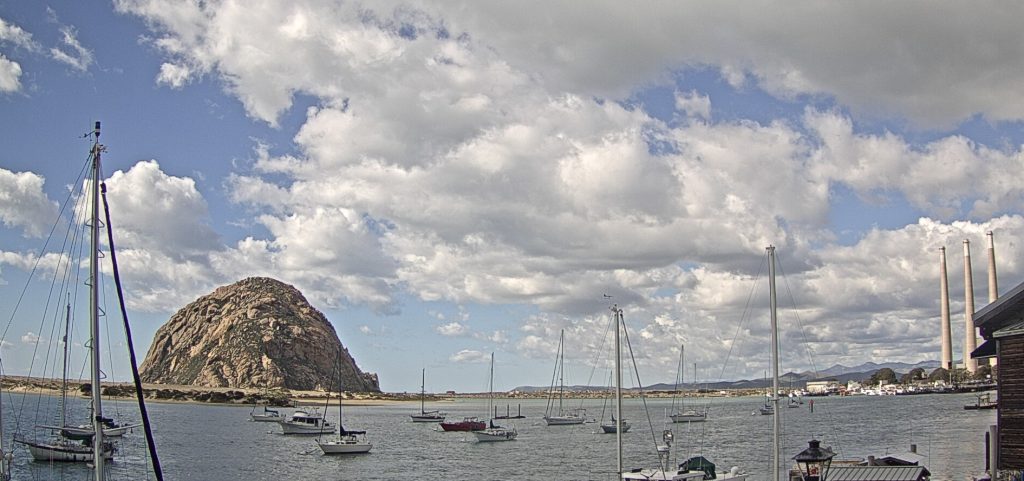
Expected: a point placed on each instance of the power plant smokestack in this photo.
(993, 286)
(947, 336)
(970, 337)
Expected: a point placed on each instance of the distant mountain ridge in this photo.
(838, 372)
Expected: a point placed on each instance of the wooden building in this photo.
(1002, 326)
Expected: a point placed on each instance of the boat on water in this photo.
(469, 423)
(682, 414)
(425, 416)
(494, 433)
(307, 421)
(267, 416)
(612, 427)
(694, 469)
(348, 441)
(90, 442)
(982, 401)
(561, 416)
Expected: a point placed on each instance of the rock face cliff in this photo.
(256, 333)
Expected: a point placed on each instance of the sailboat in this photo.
(611, 427)
(562, 417)
(425, 416)
(95, 448)
(348, 442)
(494, 433)
(694, 469)
(683, 415)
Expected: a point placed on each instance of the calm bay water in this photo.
(208, 442)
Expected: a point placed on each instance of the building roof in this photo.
(1011, 330)
(877, 473)
(1008, 309)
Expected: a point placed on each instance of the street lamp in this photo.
(814, 461)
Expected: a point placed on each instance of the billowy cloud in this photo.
(10, 75)
(474, 155)
(23, 204)
(469, 356)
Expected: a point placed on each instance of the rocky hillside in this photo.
(256, 333)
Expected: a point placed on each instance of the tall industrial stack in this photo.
(947, 335)
(993, 285)
(970, 336)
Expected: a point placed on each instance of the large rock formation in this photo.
(258, 332)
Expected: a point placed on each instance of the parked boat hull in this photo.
(426, 418)
(493, 435)
(563, 420)
(346, 445)
(610, 428)
(464, 426)
(64, 451)
(688, 418)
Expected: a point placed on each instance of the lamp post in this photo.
(814, 461)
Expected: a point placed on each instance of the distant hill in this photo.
(256, 333)
(840, 373)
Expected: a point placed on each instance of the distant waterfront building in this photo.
(822, 387)
(1002, 327)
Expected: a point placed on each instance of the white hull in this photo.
(265, 418)
(288, 427)
(494, 435)
(345, 445)
(85, 430)
(688, 418)
(563, 420)
(63, 451)
(307, 422)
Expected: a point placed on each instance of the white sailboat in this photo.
(684, 414)
(494, 433)
(425, 416)
(94, 446)
(562, 417)
(348, 442)
(695, 469)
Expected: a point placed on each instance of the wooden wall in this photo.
(1011, 403)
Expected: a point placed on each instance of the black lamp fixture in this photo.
(814, 461)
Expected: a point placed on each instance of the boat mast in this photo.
(618, 390)
(490, 390)
(561, 369)
(64, 379)
(776, 425)
(94, 311)
(423, 389)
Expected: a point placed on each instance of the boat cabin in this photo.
(1001, 324)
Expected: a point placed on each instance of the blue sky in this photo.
(448, 179)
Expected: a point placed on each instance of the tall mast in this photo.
(94, 311)
(618, 390)
(776, 425)
(561, 369)
(423, 388)
(490, 388)
(64, 379)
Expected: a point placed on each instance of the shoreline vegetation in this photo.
(171, 393)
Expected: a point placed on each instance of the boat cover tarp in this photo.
(700, 463)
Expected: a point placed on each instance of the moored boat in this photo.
(307, 421)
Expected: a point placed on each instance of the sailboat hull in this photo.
(688, 418)
(63, 451)
(345, 445)
(563, 420)
(610, 428)
(494, 435)
(426, 418)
